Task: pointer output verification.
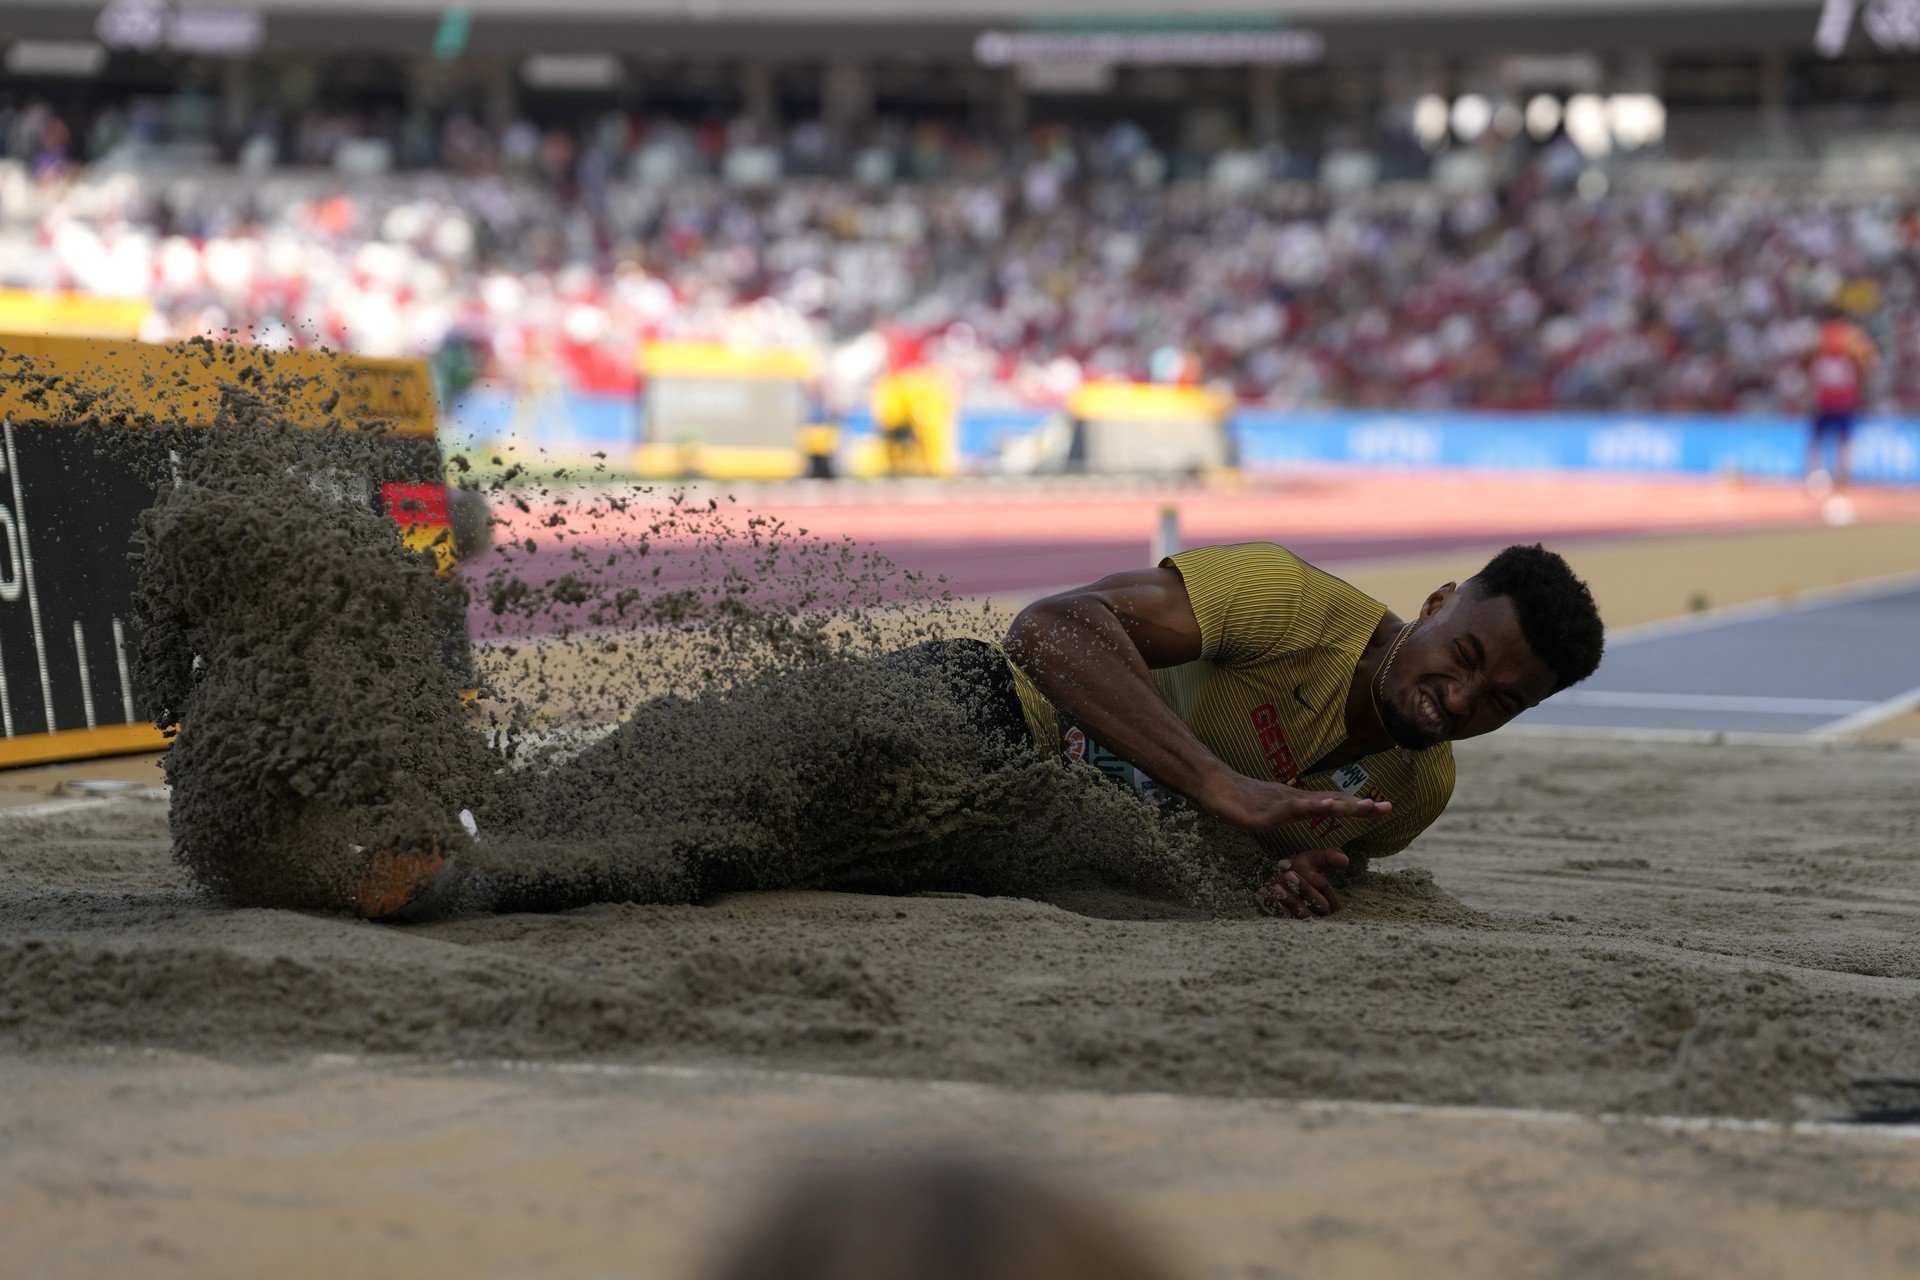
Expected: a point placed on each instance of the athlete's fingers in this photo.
(1289, 889)
(1302, 882)
(1274, 901)
(1317, 891)
(1344, 806)
(1279, 897)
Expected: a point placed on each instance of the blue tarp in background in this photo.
(1885, 450)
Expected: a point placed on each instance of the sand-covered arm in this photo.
(1092, 652)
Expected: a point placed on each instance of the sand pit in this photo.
(1610, 927)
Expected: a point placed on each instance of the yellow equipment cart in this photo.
(730, 413)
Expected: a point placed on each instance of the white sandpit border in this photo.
(977, 1091)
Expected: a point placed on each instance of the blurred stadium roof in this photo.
(941, 28)
(899, 10)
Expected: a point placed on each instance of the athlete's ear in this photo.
(1441, 594)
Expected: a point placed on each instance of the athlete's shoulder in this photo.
(1335, 613)
(1257, 561)
(1245, 557)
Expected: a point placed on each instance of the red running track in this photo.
(1023, 539)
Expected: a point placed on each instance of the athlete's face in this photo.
(1464, 670)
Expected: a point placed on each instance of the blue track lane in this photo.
(1795, 669)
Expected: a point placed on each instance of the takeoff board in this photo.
(69, 506)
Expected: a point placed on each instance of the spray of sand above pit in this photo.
(1623, 927)
(774, 736)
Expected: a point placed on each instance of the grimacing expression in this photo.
(1464, 670)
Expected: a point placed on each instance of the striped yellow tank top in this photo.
(1279, 642)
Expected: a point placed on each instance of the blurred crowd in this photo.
(520, 254)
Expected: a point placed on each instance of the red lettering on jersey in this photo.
(1273, 741)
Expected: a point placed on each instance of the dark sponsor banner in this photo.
(69, 505)
(68, 511)
(66, 586)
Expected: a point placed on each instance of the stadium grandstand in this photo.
(1428, 204)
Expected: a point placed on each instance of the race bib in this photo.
(1076, 745)
(1351, 778)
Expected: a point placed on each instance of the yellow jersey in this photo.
(1279, 640)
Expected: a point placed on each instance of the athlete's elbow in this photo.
(1042, 628)
(1032, 630)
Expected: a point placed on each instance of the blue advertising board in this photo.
(1885, 450)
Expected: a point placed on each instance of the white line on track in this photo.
(126, 683)
(1736, 702)
(86, 673)
(51, 807)
(1867, 717)
(1703, 737)
(987, 1093)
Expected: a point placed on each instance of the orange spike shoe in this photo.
(395, 880)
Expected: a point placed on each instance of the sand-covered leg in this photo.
(322, 756)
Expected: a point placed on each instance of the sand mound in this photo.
(1686, 988)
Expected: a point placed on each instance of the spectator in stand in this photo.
(1838, 370)
(1062, 256)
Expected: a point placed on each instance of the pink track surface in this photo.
(1027, 538)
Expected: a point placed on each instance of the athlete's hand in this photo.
(1248, 802)
(1302, 885)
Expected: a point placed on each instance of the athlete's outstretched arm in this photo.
(1092, 652)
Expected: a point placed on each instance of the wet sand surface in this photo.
(1607, 927)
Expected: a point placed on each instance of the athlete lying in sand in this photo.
(1254, 684)
(1270, 694)
(322, 762)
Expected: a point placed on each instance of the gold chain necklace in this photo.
(1379, 682)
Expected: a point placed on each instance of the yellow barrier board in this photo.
(1120, 401)
(180, 384)
(80, 744)
(716, 462)
(720, 360)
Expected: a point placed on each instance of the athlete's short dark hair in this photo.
(1556, 611)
